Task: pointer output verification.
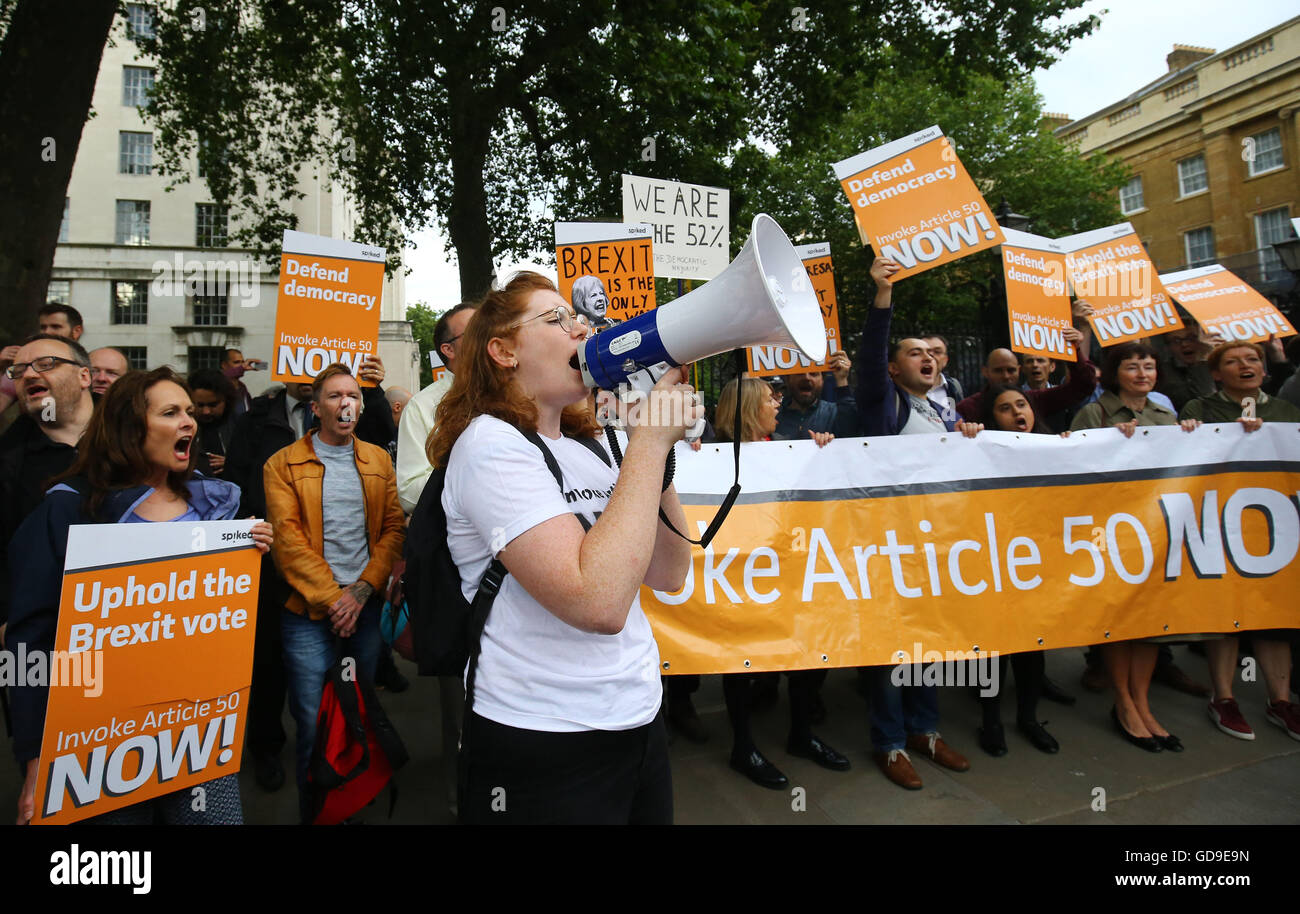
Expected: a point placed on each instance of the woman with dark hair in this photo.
(214, 409)
(1128, 376)
(758, 405)
(562, 719)
(1008, 410)
(135, 464)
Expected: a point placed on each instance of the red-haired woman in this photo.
(565, 722)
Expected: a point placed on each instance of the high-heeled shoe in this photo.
(1149, 743)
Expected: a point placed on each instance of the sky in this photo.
(1122, 55)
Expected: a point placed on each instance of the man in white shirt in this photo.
(417, 416)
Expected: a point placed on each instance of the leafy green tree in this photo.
(423, 319)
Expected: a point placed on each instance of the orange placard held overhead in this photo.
(1224, 305)
(606, 269)
(1111, 271)
(768, 361)
(1038, 295)
(328, 305)
(915, 204)
(166, 614)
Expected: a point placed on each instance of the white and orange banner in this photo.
(611, 265)
(915, 203)
(1225, 305)
(166, 614)
(327, 309)
(1109, 268)
(848, 554)
(768, 361)
(1038, 295)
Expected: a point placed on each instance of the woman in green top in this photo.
(1239, 369)
(1127, 376)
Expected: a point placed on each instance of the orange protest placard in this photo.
(606, 269)
(915, 204)
(1038, 296)
(1000, 543)
(327, 310)
(1111, 271)
(768, 361)
(1224, 305)
(166, 614)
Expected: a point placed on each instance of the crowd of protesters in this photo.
(562, 711)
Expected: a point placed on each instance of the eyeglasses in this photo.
(566, 319)
(42, 365)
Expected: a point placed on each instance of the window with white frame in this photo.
(211, 310)
(130, 304)
(139, 20)
(1198, 246)
(200, 357)
(137, 84)
(1265, 151)
(1192, 178)
(1270, 227)
(1130, 196)
(132, 222)
(59, 291)
(211, 225)
(137, 357)
(135, 153)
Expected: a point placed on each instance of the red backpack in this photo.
(356, 751)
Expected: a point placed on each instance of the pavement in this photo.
(1218, 780)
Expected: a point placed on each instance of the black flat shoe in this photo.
(1149, 743)
(1053, 692)
(1039, 737)
(1170, 742)
(820, 753)
(759, 770)
(993, 740)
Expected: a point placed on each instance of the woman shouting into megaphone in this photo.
(563, 719)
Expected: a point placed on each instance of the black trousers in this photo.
(737, 691)
(511, 776)
(1029, 667)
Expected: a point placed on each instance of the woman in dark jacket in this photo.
(135, 465)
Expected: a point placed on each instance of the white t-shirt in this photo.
(535, 671)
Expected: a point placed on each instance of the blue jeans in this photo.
(310, 649)
(897, 711)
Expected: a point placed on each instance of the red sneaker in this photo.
(1227, 717)
(1286, 714)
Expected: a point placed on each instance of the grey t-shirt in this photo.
(343, 512)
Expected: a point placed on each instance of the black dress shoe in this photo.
(820, 753)
(1038, 736)
(759, 770)
(1170, 742)
(1149, 743)
(993, 740)
(1053, 692)
(267, 771)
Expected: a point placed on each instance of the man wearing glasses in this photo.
(51, 376)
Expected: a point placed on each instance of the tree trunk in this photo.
(468, 228)
(48, 65)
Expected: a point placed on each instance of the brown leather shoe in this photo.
(897, 766)
(1172, 676)
(936, 750)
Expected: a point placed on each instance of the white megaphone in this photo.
(763, 297)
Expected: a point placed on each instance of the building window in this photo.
(1130, 196)
(210, 310)
(1199, 246)
(63, 226)
(139, 20)
(137, 84)
(133, 222)
(130, 304)
(60, 291)
(1272, 226)
(199, 357)
(1265, 151)
(211, 221)
(1191, 176)
(137, 357)
(135, 153)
